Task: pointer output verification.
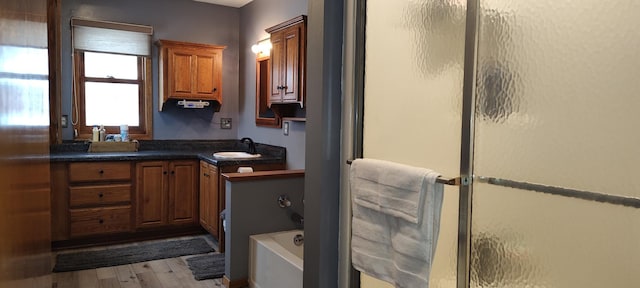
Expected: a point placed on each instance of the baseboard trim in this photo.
(235, 283)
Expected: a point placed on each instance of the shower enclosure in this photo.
(536, 104)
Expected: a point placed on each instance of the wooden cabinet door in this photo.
(204, 194)
(183, 197)
(290, 81)
(209, 209)
(180, 71)
(288, 61)
(214, 201)
(194, 73)
(277, 66)
(151, 193)
(208, 78)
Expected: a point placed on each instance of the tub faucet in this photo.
(252, 146)
(283, 201)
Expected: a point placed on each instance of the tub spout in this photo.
(298, 240)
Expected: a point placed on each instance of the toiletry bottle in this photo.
(102, 132)
(95, 134)
(124, 132)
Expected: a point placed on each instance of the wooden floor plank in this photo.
(66, 280)
(148, 279)
(177, 265)
(88, 278)
(141, 267)
(109, 283)
(127, 277)
(160, 266)
(106, 273)
(163, 271)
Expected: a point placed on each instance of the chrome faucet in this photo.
(252, 146)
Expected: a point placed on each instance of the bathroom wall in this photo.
(180, 20)
(252, 208)
(254, 18)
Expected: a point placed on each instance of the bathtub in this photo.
(275, 261)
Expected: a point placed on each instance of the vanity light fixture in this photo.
(262, 47)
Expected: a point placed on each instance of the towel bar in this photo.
(457, 181)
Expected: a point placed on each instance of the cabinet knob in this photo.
(173, 172)
(164, 172)
(101, 171)
(205, 175)
(100, 195)
(100, 221)
(215, 89)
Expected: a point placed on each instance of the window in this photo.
(112, 78)
(24, 82)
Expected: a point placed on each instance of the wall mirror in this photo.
(265, 116)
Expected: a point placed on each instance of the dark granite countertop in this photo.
(170, 150)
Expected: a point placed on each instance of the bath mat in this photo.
(130, 254)
(210, 266)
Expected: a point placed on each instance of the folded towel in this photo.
(387, 242)
(391, 188)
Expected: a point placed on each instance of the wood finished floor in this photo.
(163, 273)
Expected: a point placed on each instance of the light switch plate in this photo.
(64, 121)
(225, 123)
(285, 128)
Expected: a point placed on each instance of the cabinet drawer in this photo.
(96, 171)
(100, 220)
(99, 194)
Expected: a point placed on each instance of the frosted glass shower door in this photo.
(413, 97)
(555, 199)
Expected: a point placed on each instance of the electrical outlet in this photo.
(285, 128)
(225, 123)
(64, 121)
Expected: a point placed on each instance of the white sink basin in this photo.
(235, 155)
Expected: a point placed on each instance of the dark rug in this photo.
(130, 254)
(210, 266)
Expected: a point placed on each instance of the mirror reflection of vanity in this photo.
(265, 116)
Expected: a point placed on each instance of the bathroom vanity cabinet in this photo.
(190, 71)
(113, 201)
(106, 198)
(91, 198)
(212, 195)
(209, 198)
(99, 198)
(166, 193)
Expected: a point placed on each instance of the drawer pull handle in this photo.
(100, 221)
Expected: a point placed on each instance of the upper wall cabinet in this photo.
(190, 71)
(288, 61)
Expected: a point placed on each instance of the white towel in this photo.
(391, 188)
(396, 220)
